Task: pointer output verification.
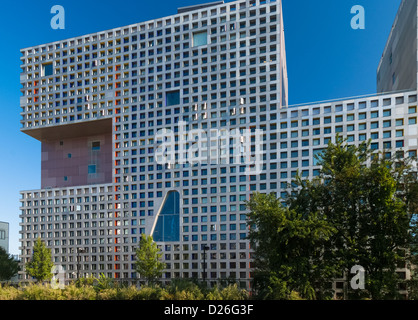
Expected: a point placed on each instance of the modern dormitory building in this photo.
(165, 127)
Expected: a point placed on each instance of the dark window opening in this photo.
(47, 69)
(173, 98)
(92, 169)
(95, 145)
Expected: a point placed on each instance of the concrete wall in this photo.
(398, 66)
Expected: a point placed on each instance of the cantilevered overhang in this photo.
(73, 130)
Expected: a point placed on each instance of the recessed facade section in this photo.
(77, 160)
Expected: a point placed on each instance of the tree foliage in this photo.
(289, 249)
(8, 266)
(148, 263)
(361, 193)
(40, 265)
(359, 210)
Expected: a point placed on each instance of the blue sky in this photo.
(326, 59)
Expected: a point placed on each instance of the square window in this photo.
(317, 156)
(47, 69)
(173, 98)
(387, 144)
(91, 169)
(95, 145)
(200, 38)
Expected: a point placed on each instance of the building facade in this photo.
(166, 127)
(4, 236)
(397, 68)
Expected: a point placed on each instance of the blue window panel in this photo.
(374, 146)
(172, 98)
(317, 156)
(200, 38)
(168, 223)
(48, 69)
(92, 168)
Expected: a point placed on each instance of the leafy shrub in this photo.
(103, 282)
(9, 293)
(72, 292)
(107, 289)
(40, 292)
(150, 293)
(119, 293)
(85, 282)
(181, 289)
(231, 292)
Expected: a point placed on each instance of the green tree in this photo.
(357, 191)
(148, 263)
(40, 265)
(408, 190)
(8, 266)
(288, 248)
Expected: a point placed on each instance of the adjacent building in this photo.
(166, 127)
(397, 69)
(4, 236)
